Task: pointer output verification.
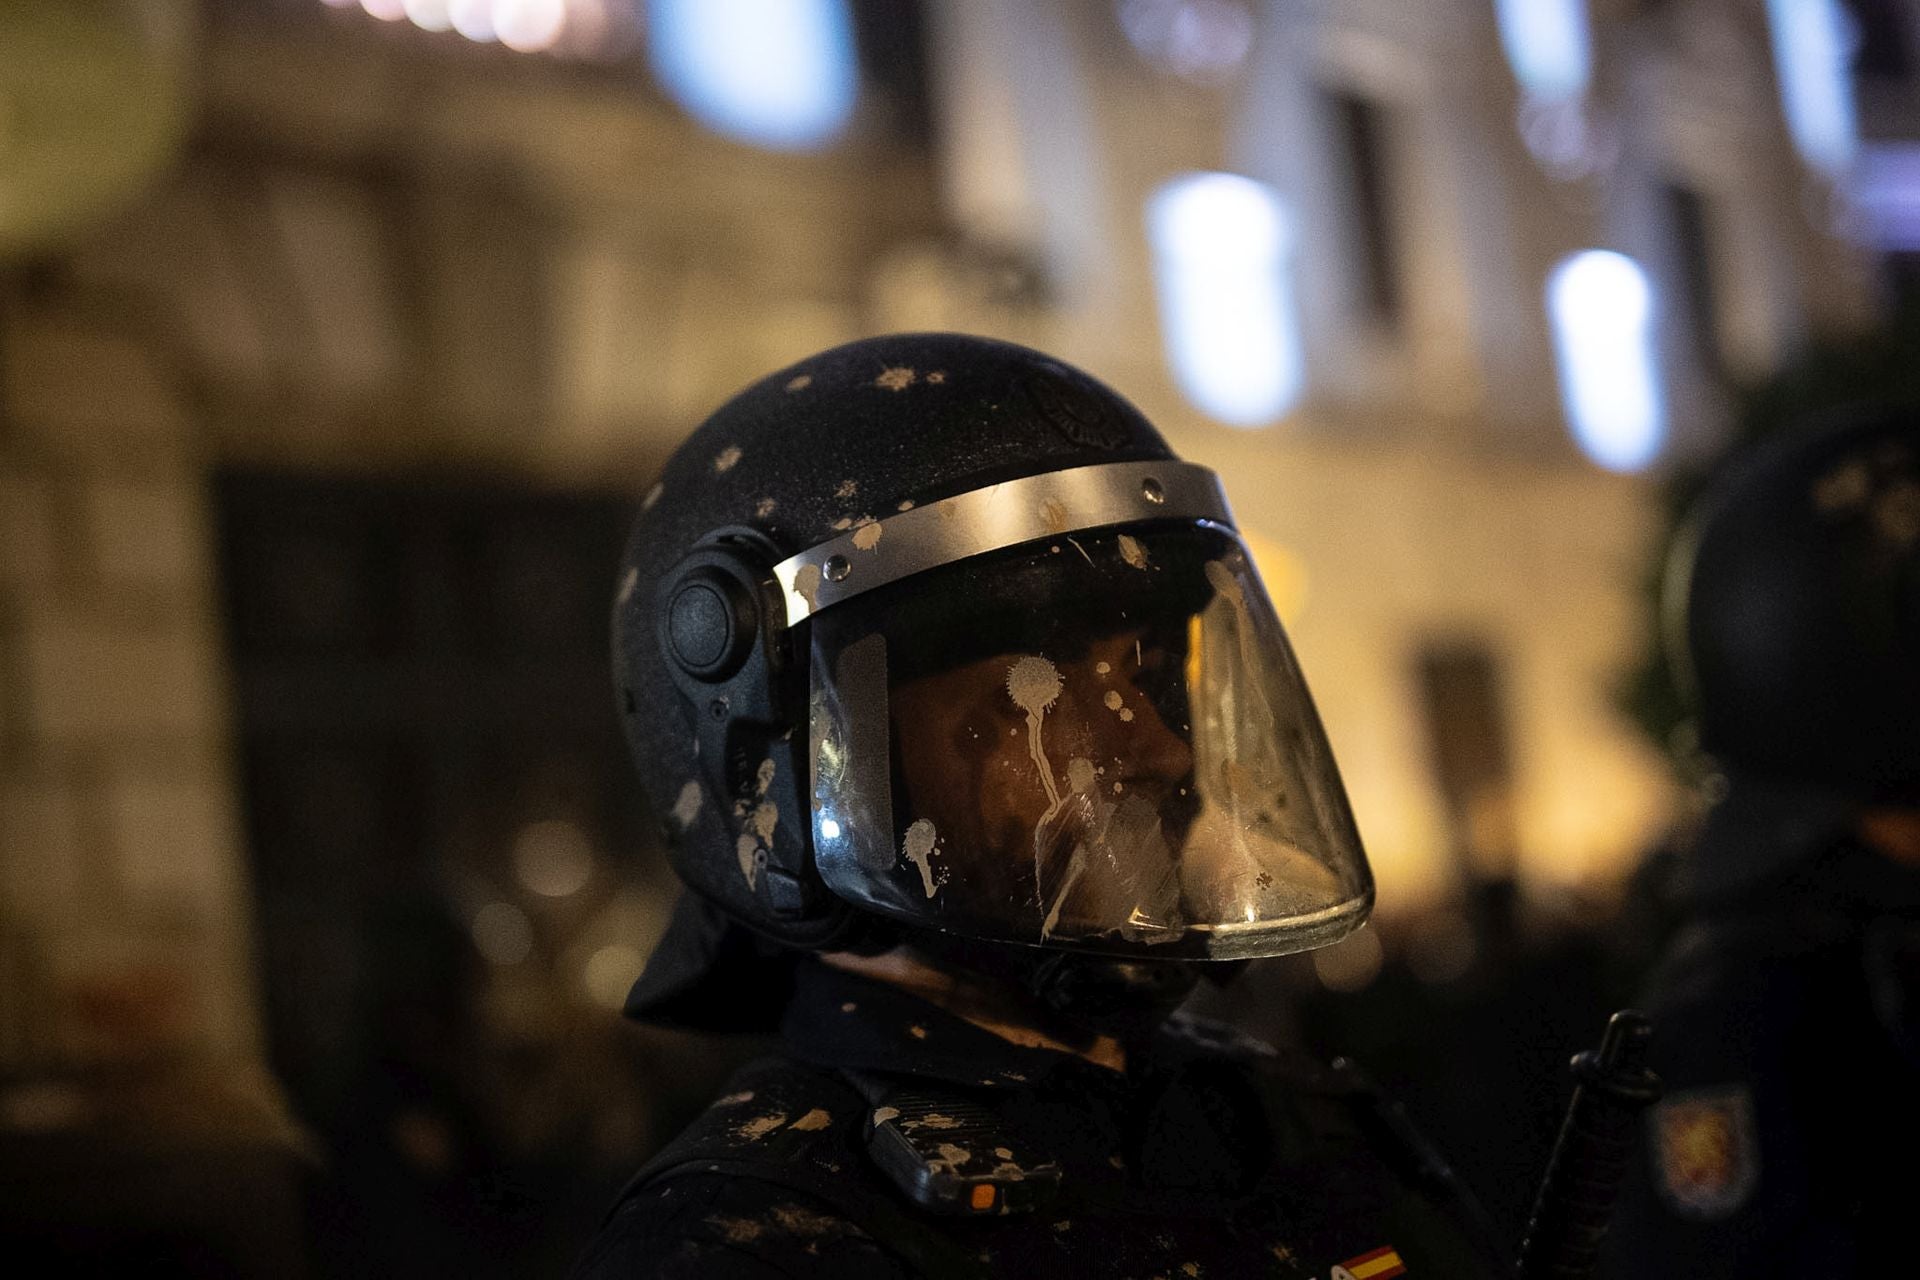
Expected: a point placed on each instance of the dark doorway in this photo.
(452, 874)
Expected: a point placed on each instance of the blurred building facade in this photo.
(380, 250)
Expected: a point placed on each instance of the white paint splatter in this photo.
(627, 584)
(847, 489)
(1034, 684)
(937, 377)
(735, 1099)
(653, 496)
(866, 536)
(1132, 552)
(883, 1114)
(764, 507)
(1113, 700)
(918, 848)
(898, 378)
(687, 806)
(766, 815)
(800, 383)
(841, 525)
(760, 1126)
(1102, 667)
(906, 504)
(727, 459)
(747, 851)
(814, 1121)
(806, 584)
(763, 776)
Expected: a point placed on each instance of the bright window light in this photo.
(1220, 249)
(1886, 187)
(773, 73)
(1547, 46)
(1601, 307)
(1812, 44)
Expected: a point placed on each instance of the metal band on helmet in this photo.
(1052, 504)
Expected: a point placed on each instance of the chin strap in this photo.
(1077, 994)
(1121, 998)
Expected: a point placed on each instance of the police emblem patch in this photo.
(1706, 1152)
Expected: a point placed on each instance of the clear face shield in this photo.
(1096, 740)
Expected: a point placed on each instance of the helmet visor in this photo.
(1101, 741)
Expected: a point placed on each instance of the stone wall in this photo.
(123, 919)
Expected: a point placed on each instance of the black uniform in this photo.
(1790, 1004)
(930, 647)
(1213, 1156)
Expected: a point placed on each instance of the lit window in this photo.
(774, 73)
(1812, 51)
(1546, 43)
(1220, 249)
(1887, 190)
(1205, 41)
(1602, 312)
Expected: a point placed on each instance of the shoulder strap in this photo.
(799, 1128)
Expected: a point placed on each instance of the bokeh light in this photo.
(1601, 309)
(552, 859)
(1812, 44)
(502, 933)
(774, 73)
(1547, 46)
(610, 973)
(1220, 246)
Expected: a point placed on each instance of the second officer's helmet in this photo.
(1794, 609)
(935, 633)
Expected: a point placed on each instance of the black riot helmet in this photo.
(934, 632)
(1794, 609)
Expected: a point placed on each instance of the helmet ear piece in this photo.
(720, 627)
(708, 619)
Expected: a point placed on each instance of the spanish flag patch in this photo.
(1380, 1264)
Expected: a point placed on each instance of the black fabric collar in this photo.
(840, 1019)
(1792, 843)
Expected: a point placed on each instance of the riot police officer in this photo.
(978, 744)
(1788, 1004)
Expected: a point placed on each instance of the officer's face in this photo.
(1035, 754)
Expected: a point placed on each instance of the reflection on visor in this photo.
(1104, 745)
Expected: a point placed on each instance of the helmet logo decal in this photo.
(1083, 420)
(919, 850)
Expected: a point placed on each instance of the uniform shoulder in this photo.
(749, 1189)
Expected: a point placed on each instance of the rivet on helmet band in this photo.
(1052, 504)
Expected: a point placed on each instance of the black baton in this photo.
(1589, 1161)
